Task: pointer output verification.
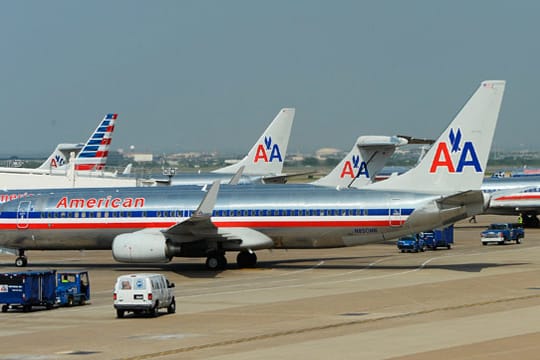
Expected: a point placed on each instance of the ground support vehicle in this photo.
(143, 294)
(48, 288)
(23, 290)
(411, 243)
(501, 233)
(437, 238)
(72, 287)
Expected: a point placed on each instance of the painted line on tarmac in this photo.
(323, 327)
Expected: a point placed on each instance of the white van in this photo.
(143, 293)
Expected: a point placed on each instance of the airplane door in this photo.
(394, 213)
(22, 214)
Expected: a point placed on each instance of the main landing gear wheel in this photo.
(246, 259)
(216, 261)
(21, 261)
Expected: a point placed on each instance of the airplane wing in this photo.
(200, 227)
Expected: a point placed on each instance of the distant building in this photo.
(141, 157)
(326, 153)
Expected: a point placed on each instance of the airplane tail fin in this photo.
(363, 162)
(457, 160)
(58, 160)
(127, 169)
(94, 154)
(268, 153)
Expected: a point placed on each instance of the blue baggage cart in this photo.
(23, 290)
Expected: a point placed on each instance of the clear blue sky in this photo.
(210, 75)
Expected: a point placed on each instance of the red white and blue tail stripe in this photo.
(94, 154)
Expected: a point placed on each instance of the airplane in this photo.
(514, 196)
(366, 161)
(90, 156)
(155, 224)
(262, 164)
(71, 165)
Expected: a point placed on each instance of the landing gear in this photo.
(531, 221)
(21, 260)
(246, 259)
(216, 261)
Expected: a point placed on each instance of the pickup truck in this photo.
(501, 233)
(411, 243)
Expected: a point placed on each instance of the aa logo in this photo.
(57, 161)
(465, 154)
(354, 169)
(268, 152)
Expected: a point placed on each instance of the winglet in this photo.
(236, 178)
(457, 160)
(209, 201)
(266, 157)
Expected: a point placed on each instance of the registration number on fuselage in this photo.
(365, 230)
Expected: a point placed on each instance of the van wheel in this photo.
(171, 309)
(69, 301)
(154, 311)
(119, 313)
(5, 308)
(82, 300)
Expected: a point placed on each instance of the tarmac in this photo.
(365, 302)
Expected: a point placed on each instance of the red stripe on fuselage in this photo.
(222, 224)
(519, 197)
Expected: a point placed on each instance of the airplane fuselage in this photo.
(295, 216)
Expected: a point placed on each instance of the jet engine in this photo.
(143, 246)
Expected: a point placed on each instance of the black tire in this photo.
(27, 308)
(120, 313)
(5, 308)
(246, 259)
(155, 310)
(21, 261)
(212, 262)
(518, 240)
(69, 301)
(171, 309)
(82, 300)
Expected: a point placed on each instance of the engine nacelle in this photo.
(143, 246)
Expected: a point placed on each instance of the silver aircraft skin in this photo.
(514, 196)
(155, 224)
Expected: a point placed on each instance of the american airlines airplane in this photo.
(262, 164)
(514, 196)
(86, 169)
(90, 156)
(156, 224)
